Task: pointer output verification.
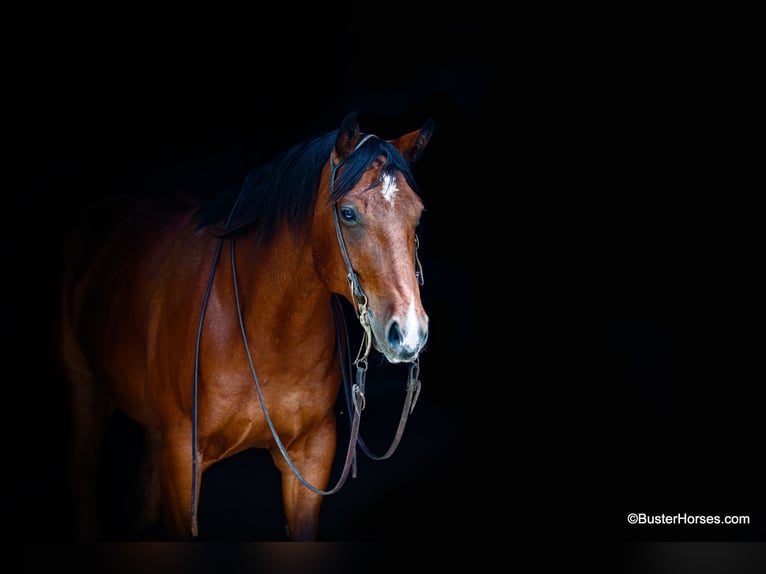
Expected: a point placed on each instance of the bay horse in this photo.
(213, 349)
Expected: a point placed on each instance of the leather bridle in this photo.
(355, 397)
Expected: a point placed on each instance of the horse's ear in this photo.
(411, 145)
(348, 137)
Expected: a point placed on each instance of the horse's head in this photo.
(368, 248)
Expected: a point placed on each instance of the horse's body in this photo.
(131, 335)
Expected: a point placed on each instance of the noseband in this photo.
(354, 393)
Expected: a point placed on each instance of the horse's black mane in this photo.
(283, 191)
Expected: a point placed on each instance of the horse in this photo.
(217, 324)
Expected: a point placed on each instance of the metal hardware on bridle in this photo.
(354, 394)
(418, 265)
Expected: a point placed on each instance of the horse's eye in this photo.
(348, 215)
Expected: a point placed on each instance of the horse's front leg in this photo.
(149, 482)
(313, 456)
(176, 476)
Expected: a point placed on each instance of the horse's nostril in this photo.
(394, 335)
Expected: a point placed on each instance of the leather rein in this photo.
(354, 393)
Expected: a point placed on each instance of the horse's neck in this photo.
(279, 284)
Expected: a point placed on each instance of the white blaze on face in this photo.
(389, 189)
(411, 329)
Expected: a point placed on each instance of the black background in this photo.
(590, 250)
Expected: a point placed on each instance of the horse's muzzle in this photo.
(402, 342)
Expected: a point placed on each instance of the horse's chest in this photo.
(247, 418)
